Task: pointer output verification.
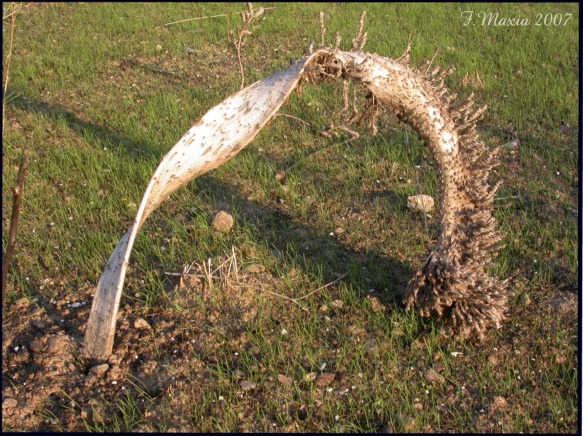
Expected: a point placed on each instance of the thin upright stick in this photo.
(17, 192)
(8, 58)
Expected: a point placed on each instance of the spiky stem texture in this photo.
(453, 282)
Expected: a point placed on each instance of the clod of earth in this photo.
(325, 379)
(453, 282)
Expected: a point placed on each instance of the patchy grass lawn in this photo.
(98, 93)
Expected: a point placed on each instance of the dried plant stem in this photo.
(8, 58)
(296, 300)
(209, 16)
(248, 18)
(322, 287)
(17, 192)
(314, 128)
(281, 175)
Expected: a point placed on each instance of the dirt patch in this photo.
(48, 386)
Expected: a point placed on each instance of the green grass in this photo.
(94, 115)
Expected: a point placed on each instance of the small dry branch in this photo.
(248, 17)
(17, 193)
(13, 12)
(208, 16)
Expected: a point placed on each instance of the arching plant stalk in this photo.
(452, 282)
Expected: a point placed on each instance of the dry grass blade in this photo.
(207, 17)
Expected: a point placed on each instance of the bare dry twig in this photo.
(248, 18)
(17, 189)
(12, 15)
(17, 192)
(208, 16)
(229, 270)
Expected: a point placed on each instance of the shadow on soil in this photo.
(61, 328)
(367, 269)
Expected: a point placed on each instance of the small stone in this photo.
(325, 379)
(222, 222)
(254, 268)
(247, 385)
(436, 356)
(499, 403)
(284, 379)
(52, 344)
(35, 346)
(433, 377)
(99, 370)
(511, 145)
(40, 325)
(420, 203)
(142, 324)
(377, 306)
(311, 376)
(338, 304)
(356, 330)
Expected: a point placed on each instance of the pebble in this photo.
(499, 403)
(420, 203)
(35, 346)
(247, 385)
(284, 379)
(254, 268)
(222, 222)
(433, 377)
(40, 325)
(511, 145)
(142, 324)
(338, 304)
(377, 306)
(311, 376)
(52, 344)
(325, 379)
(99, 370)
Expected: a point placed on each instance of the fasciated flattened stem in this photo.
(453, 282)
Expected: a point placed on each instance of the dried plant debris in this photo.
(453, 282)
